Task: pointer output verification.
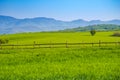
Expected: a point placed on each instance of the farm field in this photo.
(85, 63)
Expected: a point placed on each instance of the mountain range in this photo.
(10, 24)
(98, 27)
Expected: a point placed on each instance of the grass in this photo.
(26, 38)
(60, 64)
(87, 63)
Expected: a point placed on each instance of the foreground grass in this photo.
(60, 64)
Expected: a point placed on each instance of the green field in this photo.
(47, 37)
(91, 63)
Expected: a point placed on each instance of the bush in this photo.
(4, 41)
(116, 34)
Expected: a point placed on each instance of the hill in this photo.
(12, 25)
(99, 27)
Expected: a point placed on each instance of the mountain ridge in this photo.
(10, 24)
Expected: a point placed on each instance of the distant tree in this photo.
(93, 32)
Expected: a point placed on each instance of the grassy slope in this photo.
(61, 37)
(60, 64)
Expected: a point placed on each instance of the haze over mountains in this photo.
(13, 25)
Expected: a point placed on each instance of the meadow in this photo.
(47, 37)
(91, 63)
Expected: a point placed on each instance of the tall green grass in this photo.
(60, 64)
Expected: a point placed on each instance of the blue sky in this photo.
(62, 9)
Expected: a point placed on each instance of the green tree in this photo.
(93, 32)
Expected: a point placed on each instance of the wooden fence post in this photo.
(82, 43)
(0, 46)
(34, 45)
(12, 46)
(118, 43)
(39, 44)
(66, 44)
(17, 45)
(50, 44)
(92, 44)
(99, 43)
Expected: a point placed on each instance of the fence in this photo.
(59, 45)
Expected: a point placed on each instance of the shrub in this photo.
(116, 34)
(4, 41)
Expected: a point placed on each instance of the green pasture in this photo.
(81, 63)
(58, 37)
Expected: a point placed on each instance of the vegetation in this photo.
(60, 64)
(85, 63)
(60, 37)
(99, 27)
(116, 34)
(4, 41)
(93, 32)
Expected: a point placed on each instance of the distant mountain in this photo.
(98, 27)
(12, 25)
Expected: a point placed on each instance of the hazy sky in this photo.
(62, 9)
